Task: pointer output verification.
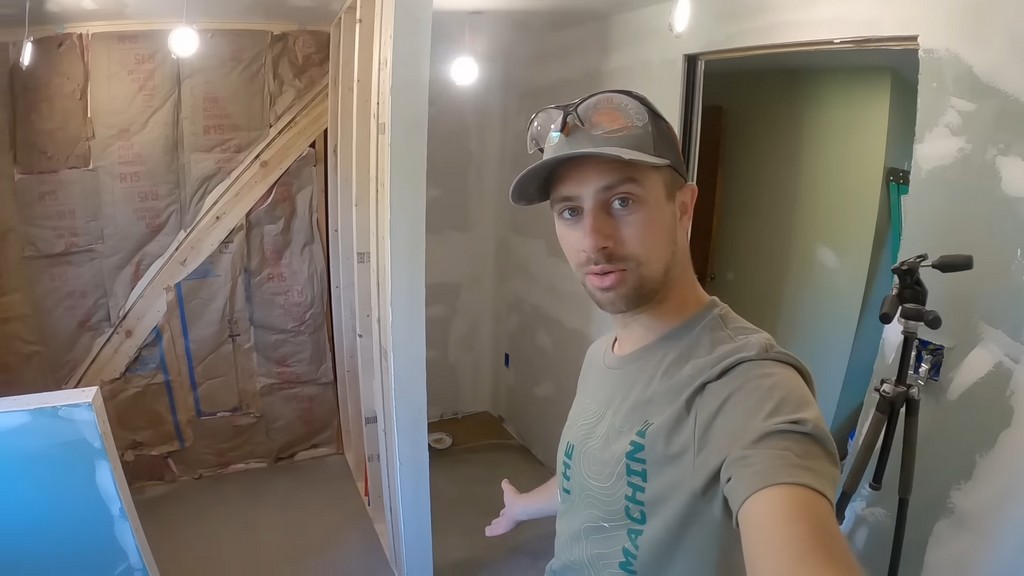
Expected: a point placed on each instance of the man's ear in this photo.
(686, 202)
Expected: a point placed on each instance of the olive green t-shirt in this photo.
(663, 445)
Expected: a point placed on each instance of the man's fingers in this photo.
(508, 488)
(497, 528)
(500, 525)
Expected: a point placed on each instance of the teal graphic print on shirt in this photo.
(635, 508)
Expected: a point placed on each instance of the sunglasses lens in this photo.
(610, 113)
(543, 124)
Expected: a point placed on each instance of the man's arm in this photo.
(779, 472)
(541, 502)
(790, 530)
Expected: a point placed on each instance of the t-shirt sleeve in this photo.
(761, 420)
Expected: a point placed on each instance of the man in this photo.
(694, 445)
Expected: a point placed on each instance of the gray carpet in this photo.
(302, 519)
(466, 496)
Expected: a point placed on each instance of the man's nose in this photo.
(598, 232)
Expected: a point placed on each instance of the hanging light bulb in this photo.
(26, 53)
(183, 41)
(465, 70)
(681, 16)
(26, 45)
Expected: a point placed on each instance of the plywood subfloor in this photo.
(466, 495)
(300, 519)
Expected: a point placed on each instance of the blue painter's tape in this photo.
(148, 360)
(188, 349)
(247, 277)
(204, 270)
(169, 388)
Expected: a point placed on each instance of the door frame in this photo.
(692, 103)
(693, 77)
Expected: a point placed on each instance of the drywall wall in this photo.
(802, 165)
(545, 321)
(405, 63)
(463, 198)
(965, 196)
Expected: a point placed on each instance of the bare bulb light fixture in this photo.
(465, 70)
(183, 41)
(681, 16)
(26, 45)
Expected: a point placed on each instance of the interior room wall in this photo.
(239, 369)
(463, 195)
(497, 282)
(899, 149)
(966, 196)
(802, 161)
(545, 322)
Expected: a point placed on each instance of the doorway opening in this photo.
(791, 148)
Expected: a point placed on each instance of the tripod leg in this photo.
(887, 438)
(863, 456)
(899, 397)
(906, 478)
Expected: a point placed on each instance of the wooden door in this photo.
(709, 162)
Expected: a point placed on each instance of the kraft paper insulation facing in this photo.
(21, 348)
(239, 371)
(134, 101)
(298, 60)
(71, 308)
(148, 406)
(225, 109)
(215, 333)
(288, 280)
(50, 106)
(58, 212)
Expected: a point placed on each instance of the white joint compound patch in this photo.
(978, 536)
(942, 145)
(961, 105)
(1011, 174)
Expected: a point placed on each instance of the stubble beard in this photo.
(637, 292)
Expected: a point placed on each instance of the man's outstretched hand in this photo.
(511, 515)
(542, 502)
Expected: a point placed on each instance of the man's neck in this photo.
(641, 327)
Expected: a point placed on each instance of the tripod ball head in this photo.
(909, 289)
(952, 263)
(890, 307)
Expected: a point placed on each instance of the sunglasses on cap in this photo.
(599, 113)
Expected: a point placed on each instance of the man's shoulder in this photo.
(728, 340)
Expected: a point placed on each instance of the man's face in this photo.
(621, 230)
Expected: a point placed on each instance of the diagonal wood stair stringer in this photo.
(222, 211)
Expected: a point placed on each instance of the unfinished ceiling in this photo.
(602, 6)
(59, 12)
(299, 12)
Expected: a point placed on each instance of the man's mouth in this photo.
(605, 277)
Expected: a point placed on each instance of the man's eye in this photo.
(622, 202)
(570, 212)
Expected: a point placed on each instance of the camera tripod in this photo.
(909, 298)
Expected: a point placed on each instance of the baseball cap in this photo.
(612, 124)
